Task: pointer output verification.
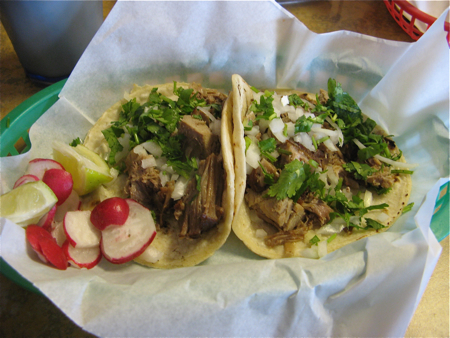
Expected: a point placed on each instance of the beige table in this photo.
(26, 314)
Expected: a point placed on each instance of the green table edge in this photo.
(31, 109)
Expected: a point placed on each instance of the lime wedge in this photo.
(88, 169)
(27, 203)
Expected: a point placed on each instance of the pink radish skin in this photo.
(72, 203)
(112, 211)
(121, 244)
(60, 181)
(46, 220)
(79, 230)
(82, 258)
(25, 179)
(39, 166)
(46, 247)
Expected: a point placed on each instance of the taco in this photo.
(312, 172)
(174, 157)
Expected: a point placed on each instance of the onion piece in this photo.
(322, 249)
(207, 113)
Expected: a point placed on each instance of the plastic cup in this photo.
(50, 36)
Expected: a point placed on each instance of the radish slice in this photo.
(60, 181)
(39, 166)
(57, 232)
(72, 203)
(82, 258)
(79, 230)
(121, 244)
(46, 247)
(112, 211)
(46, 220)
(25, 179)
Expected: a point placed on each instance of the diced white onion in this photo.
(148, 162)
(322, 249)
(380, 217)
(338, 130)
(290, 129)
(330, 145)
(253, 155)
(180, 188)
(285, 100)
(207, 113)
(163, 177)
(153, 148)
(367, 198)
(310, 252)
(139, 150)
(215, 127)
(276, 125)
(332, 176)
(304, 139)
(295, 114)
(332, 228)
(280, 136)
(260, 233)
(252, 132)
(167, 168)
(263, 125)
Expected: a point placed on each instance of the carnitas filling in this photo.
(314, 161)
(175, 169)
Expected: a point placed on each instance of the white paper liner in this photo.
(369, 287)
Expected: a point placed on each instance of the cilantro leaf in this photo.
(266, 147)
(359, 170)
(315, 240)
(265, 107)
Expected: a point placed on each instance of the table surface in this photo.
(26, 314)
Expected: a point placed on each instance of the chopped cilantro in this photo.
(265, 107)
(333, 236)
(157, 119)
(198, 117)
(268, 178)
(408, 207)
(294, 180)
(249, 125)
(248, 141)
(372, 224)
(296, 101)
(199, 181)
(315, 240)
(76, 142)
(359, 170)
(266, 147)
(398, 171)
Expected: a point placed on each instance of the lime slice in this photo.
(27, 203)
(88, 169)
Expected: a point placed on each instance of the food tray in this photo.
(407, 16)
(14, 130)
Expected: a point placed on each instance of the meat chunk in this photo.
(257, 179)
(320, 209)
(285, 214)
(143, 184)
(199, 137)
(202, 208)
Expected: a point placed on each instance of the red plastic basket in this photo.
(407, 16)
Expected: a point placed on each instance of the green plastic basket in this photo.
(14, 140)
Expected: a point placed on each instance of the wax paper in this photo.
(370, 287)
